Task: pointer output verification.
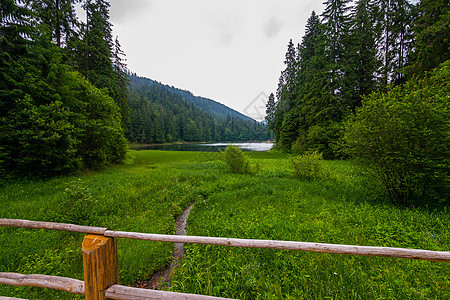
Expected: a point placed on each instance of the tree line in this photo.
(65, 94)
(63, 88)
(353, 49)
(369, 80)
(161, 114)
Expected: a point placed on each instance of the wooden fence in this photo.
(100, 265)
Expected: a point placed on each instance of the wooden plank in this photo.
(417, 254)
(52, 282)
(129, 293)
(439, 256)
(101, 268)
(52, 226)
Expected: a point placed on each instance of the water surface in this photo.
(213, 147)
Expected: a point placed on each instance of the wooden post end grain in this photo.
(100, 265)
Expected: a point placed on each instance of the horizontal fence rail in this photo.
(100, 264)
(70, 285)
(75, 286)
(416, 254)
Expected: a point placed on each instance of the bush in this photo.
(78, 204)
(404, 136)
(307, 166)
(237, 161)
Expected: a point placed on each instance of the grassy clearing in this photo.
(147, 193)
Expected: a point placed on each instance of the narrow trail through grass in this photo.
(150, 192)
(162, 277)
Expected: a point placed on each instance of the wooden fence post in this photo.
(100, 265)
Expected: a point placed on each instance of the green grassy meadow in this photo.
(146, 194)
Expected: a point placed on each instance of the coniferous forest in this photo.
(63, 89)
(164, 114)
(352, 49)
(66, 101)
(360, 168)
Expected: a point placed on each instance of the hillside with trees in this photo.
(65, 97)
(160, 114)
(217, 110)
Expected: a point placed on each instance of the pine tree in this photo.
(16, 27)
(121, 80)
(336, 27)
(59, 16)
(361, 62)
(285, 123)
(315, 102)
(99, 58)
(393, 22)
(270, 113)
(97, 41)
(432, 42)
(403, 38)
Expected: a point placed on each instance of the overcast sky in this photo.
(230, 51)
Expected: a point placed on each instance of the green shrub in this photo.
(403, 135)
(308, 165)
(237, 161)
(78, 204)
(299, 146)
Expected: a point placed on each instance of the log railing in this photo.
(101, 268)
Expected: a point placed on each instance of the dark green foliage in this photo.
(357, 47)
(159, 114)
(63, 123)
(361, 62)
(40, 139)
(52, 121)
(309, 104)
(432, 42)
(404, 136)
(271, 109)
(215, 109)
(59, 17)
(122, 82)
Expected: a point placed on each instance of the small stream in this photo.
(162, 277)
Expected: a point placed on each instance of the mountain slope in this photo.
(216, 109)
(159, 115)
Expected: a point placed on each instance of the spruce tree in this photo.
(270, 113)
(393, 30)
(315, 103)
(285, 121)
(97, 41)
(361, 60)
(121, 80)
(59, 16)
(336, 27)
(432, 42)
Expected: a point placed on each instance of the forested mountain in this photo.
(217, 110)
(160, 113)
(352, 49)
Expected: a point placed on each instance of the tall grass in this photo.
(346, 208)
(151, 190)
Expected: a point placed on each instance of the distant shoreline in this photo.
(139, 145)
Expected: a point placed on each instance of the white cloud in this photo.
(122, 11)
(272, 27)
(229, 51)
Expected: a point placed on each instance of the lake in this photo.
(214, 147)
